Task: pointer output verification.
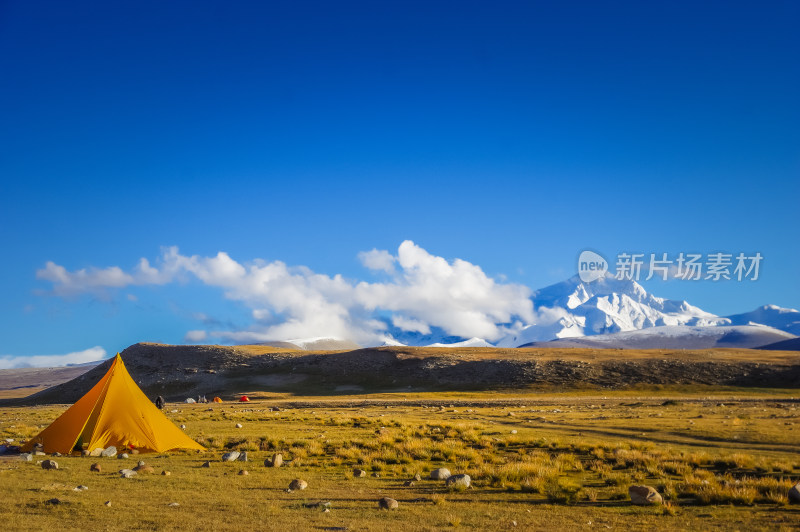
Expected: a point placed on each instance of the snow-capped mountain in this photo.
(604, 307)
(608, 305)
(435, 335)
(472, 342)
(677, 337)
(785, 319)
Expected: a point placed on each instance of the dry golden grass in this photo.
(569, 463)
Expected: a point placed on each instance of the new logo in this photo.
(591, 266)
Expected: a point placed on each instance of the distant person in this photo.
(159, 402)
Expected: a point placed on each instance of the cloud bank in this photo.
(93, 354)
(419, 291)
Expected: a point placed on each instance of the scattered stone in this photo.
(417, 477)
(95, 467)
(144, 469)
(26, 457)
(49, 464)
(644, 495)
(107, 503)
(794, 494)
(183, 427)
(376, 475)
(458, 481)
(96, 452)
(408, 483)
(440, 474)
(514, 431)
(230, 457)
(206, 464)
(140, 463)
(123, 456)
(80, 488)
(277, 461)
(134, 451)
(358, 473)
(298, 484)
(275, 409)
(56, 454)
(39, 453)
(173, 505)
(127, 473)
(325, 505)
(108, 451)
(387, 503)
(238, 425)
(85, 452)
(243, 456)
(243, 472)
(55, 501)
(166, 473)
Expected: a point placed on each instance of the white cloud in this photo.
(407, 324)
(92, 354)
(294, 302)
(378, 260)
(93, 280)
(192, 337)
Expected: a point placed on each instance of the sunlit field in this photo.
(720, 460)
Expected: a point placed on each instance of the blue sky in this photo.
(509, 135)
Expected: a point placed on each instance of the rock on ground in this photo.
(387, 503)
(49, 464)
(144, 469)
(440, 474)
(242, 456)
(109, 451)
(458, 481)
(644, 495)
(127, 473)
(206, 464)
(794, 494)
(277, 460)
(95, 467)
(230, 457)
(359, 473)
(298, 484)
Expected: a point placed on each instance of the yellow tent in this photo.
(114, 412)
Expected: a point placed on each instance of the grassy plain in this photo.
(724, 459)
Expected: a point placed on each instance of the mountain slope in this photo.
(677, 337)
(785, 319)
(608, 305)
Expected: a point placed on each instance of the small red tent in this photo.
(244, 398)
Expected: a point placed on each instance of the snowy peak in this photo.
(573, 292)
(678, 337)
(607, 305)
(472, 342)
(785, 319)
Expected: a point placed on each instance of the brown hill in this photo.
(185, 371)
